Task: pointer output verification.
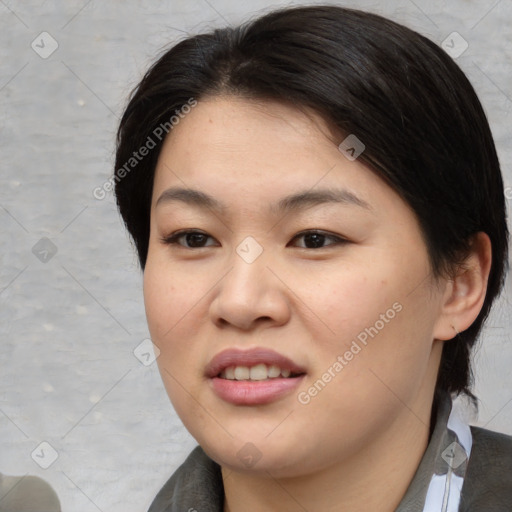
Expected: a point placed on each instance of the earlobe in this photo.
(465, 293)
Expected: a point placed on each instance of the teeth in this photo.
(258, 372)
(274, 371)
(242, 372)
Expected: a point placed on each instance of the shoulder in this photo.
(488, 482)
(496, 443)
(196, 484)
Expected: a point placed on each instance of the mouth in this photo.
(258, 372)
(253, 377)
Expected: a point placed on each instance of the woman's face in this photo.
(296, 252)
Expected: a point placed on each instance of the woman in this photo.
(318, 209)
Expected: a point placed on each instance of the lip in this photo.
(244, 392)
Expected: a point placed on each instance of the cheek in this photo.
(169, 296)
(174, 312)
(345, 301)
(385, 340)
(376, 317)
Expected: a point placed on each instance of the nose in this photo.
(251, 294)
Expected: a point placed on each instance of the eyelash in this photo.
(173, 238)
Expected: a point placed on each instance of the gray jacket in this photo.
(197, 483)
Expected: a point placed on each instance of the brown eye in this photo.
(318, 239)
(196, 239)
(189, 239)
(314, 240)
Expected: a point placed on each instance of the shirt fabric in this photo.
(487, 475)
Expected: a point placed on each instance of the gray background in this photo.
(70, 321)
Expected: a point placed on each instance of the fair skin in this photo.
(357, 443)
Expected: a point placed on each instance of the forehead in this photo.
(246, 153)
(239, 123)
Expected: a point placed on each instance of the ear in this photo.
(465, 293)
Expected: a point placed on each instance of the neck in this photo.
(375, 478)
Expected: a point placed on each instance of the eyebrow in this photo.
(192, 197)
(297, 201)
(309, 198)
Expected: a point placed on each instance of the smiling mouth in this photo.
(258, 372)
(253, 377)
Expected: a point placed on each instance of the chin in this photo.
(261, 457)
